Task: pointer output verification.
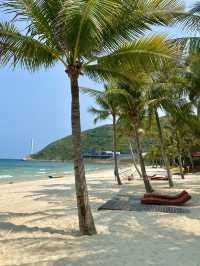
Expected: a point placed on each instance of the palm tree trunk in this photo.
(165, 159)
(116, 170)
(134, 162)
(191, 160)
(147, 184)
(86, 222)
(179, 156)
(198, 109)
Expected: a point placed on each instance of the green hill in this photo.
(99, 139)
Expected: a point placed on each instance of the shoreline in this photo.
(33, 177)
(98, 161)
(43, 171)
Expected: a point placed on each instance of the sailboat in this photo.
(28, 157)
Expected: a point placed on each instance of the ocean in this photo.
(23, 170)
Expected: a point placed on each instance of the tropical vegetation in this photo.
(109, 106)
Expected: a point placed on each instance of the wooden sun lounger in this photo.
(164, 201)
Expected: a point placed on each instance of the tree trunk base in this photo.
(119, 182)
(148, 186)
(171, 183)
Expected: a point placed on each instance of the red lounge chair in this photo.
(150, 176)
(159, 178)
(160, 201)
(154, 195)
(130, 178)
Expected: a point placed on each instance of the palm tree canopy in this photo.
(107, 102)
(167, 82)
(89, 32)
(193, 77)
(190, 21)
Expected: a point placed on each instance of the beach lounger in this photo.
(156, 195)
(164, 201)
(159, 178)
(150, 176)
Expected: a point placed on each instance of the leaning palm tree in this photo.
(169, 81)
(158, 95)
(108, 104)
(132, 108)
(96, 38)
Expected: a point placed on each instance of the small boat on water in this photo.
(52, 177)
(28, 157)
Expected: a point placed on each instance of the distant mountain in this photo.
(99, 139)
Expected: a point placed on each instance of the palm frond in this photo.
(28, 52)
(104, 73)
(136, 18)
(37, 15)
(86, 21)
(100, 114)
(189, 44)
(91, 92)
(148, 51)
(190, 20)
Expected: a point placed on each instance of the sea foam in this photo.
(5, 176)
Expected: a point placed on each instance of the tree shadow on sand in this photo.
(131, 230)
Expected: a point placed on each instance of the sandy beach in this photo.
(38, 225)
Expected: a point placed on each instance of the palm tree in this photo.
(108, 103)
(166, 92)
(96, 38)
(178, 117)
(132, 108)
(158, 97)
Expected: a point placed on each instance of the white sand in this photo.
(38, 226)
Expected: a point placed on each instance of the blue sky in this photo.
(37, 106)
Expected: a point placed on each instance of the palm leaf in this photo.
(23, 49)
(138, 17)
(100, 114)
(147, 51)
(189, 44)
(91, 92)
(104, 73)
(190, 20)
(34, 13)
(85, 21)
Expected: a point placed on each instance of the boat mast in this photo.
(32, 146)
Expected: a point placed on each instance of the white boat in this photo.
(28, 157)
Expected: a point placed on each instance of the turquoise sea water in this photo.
(18, 169)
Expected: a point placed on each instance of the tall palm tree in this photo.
(162, 145)
(108, 104)
(132, 108)
(158, 96)
(169, 81)
(178, 117)
(96, 38)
